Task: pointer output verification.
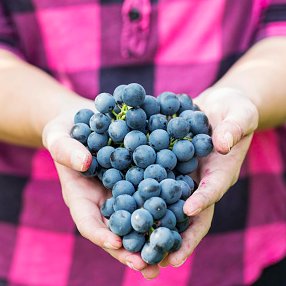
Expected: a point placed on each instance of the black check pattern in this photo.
(11, 189)
(143, 75)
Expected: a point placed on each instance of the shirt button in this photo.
(134, 14)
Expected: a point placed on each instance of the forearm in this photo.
(261, 75)
(29, 98)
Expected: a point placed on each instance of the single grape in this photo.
(104, 102)
(187, 167)
(100, 172)
(168, 220)
(203, 145)
(186, 114)
(83, 116)
(133, 139)
(135, 175)
(91, 171)
(120, 159)
(162, 237)
(133, 94)
(80, 132)
(141, 220)
(186, 102)
(122, 187)
(177, 241)
(169, 103)
(152, 254)
(155, 171)
(186, 190)
(184, 150)
(157, 121)
(196, 107)
(183, 225)
(159, 139)
(178, 127)
(188, 180)
(149, 188)
(151, 106)
(198, 121)
(136, 118)
(177, 209)
(120, 222)
(139, 200)
(99, 123)
(171, 175)
(96, 141)
(107, 208)
(144, 129)
(133, 241)
(143, 156)
(117, 130)
(156, 206)
(125, 202)
(111, 177)
(167, 159)
(117, 93)
(103, 156)
(170, 191)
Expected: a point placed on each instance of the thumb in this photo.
(64, 149)
(237, 123)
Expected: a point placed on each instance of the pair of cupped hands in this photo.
(233, 117)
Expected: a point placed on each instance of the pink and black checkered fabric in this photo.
(182, 46)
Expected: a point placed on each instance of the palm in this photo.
(217, 172)
(84, 196)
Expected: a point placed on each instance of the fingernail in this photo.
(193, 212)
(229, 140)
(180, 264)
(109, 245)
(131, 266)
(78, 160)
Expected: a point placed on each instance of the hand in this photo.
(233, 118)
(84, 196)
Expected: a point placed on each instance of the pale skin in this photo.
(251, 96)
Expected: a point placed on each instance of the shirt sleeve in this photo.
(273, 20)
(8, 36)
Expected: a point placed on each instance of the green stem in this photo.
(114, 113)
(187, 138)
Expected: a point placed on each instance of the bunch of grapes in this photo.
(143, 148)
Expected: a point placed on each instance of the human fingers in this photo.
(64, 149)
(84, 196)
(218, 173)
(198, 228)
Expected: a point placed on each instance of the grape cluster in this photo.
(143, 148)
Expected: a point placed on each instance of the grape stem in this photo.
(123, 110)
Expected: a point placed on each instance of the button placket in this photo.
(136, 27)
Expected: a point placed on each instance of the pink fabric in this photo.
(264, 156)
(34, 261)
(78, 51)
(168, 276)
(271, 252)
(43, 166)
(182, 39)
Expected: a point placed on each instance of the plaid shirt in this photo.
(183, 46)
